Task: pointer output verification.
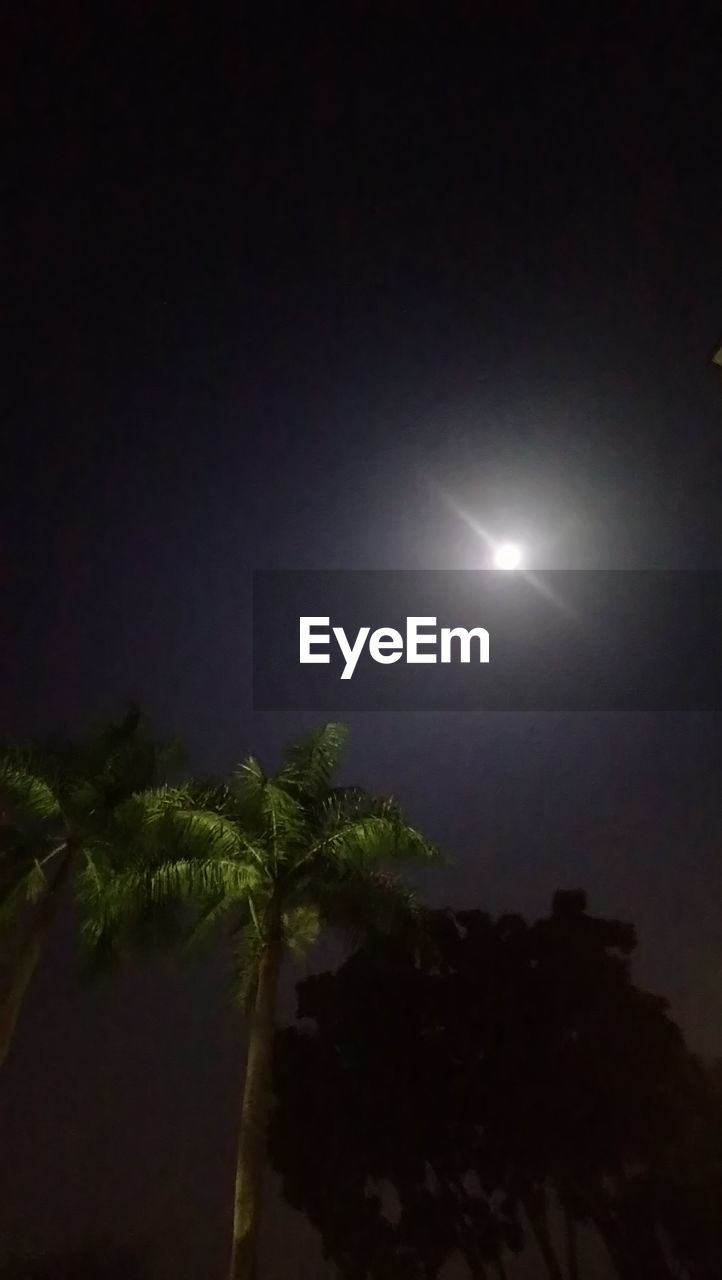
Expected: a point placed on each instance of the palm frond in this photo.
(210, 918)
(109, 937)
(128, 910)
(41, 759)
(212, 793)
(27, 888)
(369, 839)
(244, 897)
(107, 767)
(368, 902)
(25, 796)
(160, 825)
(266, 809)
(179, 880)
(301, 927)
(248, 781)
(313, 761)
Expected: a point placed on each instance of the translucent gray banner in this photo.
(487, 640)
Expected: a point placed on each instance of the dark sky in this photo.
(273, 283)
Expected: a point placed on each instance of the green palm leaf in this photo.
(312, 762)
(25, 797)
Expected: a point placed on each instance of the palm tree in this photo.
(55, 805)
(274, 859)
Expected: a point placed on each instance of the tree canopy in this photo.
(515, 1070)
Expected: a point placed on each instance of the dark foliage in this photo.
(443, 1103)
(81, 1264)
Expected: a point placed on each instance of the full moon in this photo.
(507, 556)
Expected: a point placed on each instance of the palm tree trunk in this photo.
(251, 1160)
(572, 1243)
(31, 951)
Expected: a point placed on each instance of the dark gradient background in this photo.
(275, 281)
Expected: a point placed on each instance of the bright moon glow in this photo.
(507, 556)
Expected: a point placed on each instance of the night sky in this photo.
(275, 284)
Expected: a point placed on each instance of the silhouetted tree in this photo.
(681, 1192)
(444, 1103)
